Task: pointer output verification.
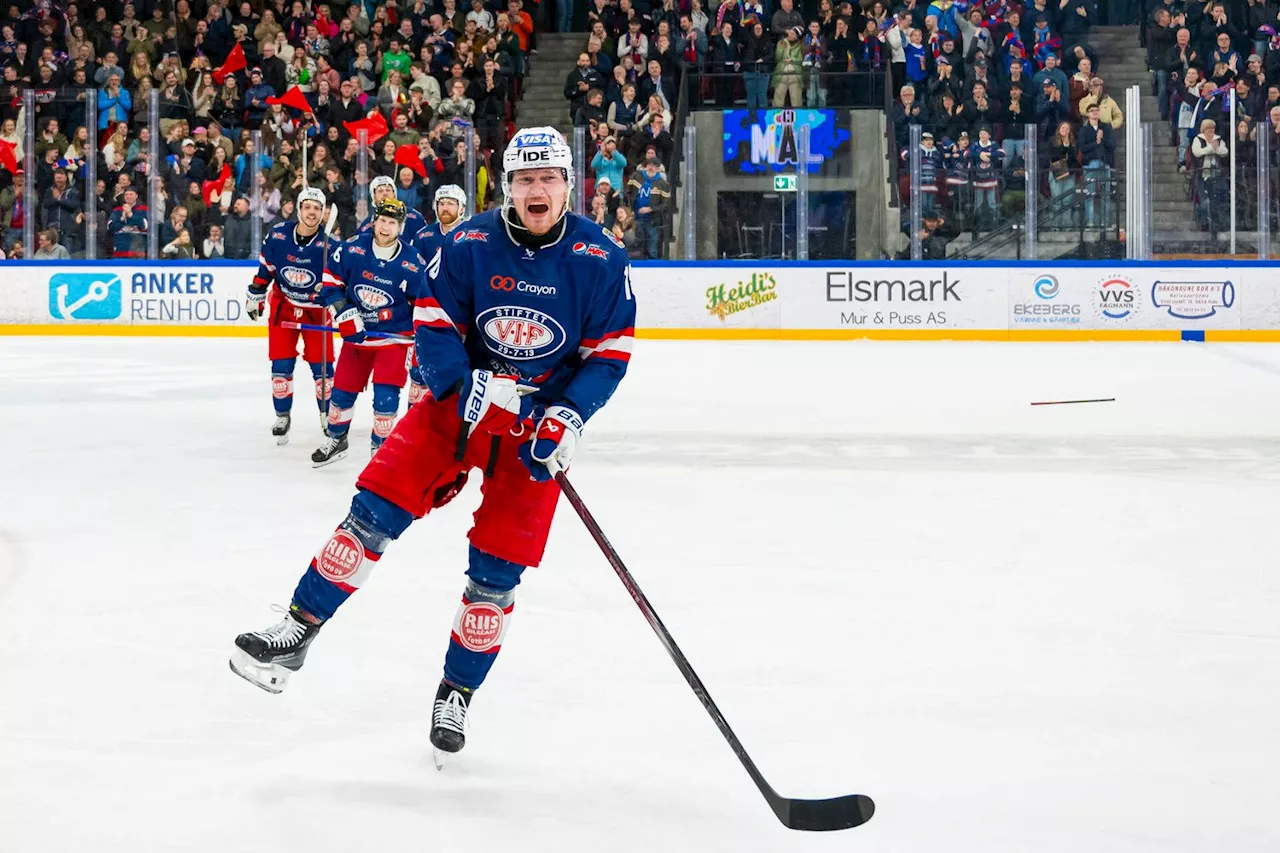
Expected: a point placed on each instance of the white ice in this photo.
(1022, 629)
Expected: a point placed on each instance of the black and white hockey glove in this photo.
(254, 303)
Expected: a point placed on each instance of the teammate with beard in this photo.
(292, 258)
(523, 333)
(450, 204)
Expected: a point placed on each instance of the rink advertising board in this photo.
(739, 300)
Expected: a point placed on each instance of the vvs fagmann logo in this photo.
(1115, 298)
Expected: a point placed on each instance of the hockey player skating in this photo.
(292, 258)
(371, 283)
(383, 189)
(523, 333)
(450, 204)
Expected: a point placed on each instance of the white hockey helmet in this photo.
(380, 181)
(312, 194)
(537, 148)
(452, 192)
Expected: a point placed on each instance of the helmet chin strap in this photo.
(524, 236)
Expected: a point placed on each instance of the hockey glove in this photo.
(494, 403)
(351, 326)
(552, 446)
(254, 304)
(417, 386)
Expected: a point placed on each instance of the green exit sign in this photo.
(784, 183)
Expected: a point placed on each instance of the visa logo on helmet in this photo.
(530, 140)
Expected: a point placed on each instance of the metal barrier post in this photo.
(154, 201)
(802, 194)
(29, 200)
(1031, 167)
(913, 160)
(1264, 190)
(1148, 209)
(256, 211)
(361, 179)
(689, 215)
(89, 189)
(579, 166)
(469, 172)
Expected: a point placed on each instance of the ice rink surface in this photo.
(1026, 630)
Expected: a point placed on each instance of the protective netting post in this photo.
(89, 189)
(913, 166)
(1264, 190)
(579, 167)
(689, 213)
(1148, 209)
(256, 208)
(1132, 172)
(469, 172)
(29, 200)
(1031, 167)
(802, 194)
(362, 178)
(154, 202)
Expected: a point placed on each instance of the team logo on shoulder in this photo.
(371, 297)
(355, 250)
(298, 276)
(612, 238)
(411, 267)
(471, 237)
(591, 250)
(278, 235)
(520, 334)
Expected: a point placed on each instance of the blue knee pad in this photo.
(386, 399)
(482, 619)
(345, 562)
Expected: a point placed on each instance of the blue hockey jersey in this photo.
(296, 270)
(561, 316)
(431, 238)
(385, 291)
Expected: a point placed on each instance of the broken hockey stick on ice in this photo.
(813, 815)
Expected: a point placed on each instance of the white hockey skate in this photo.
(448, 722)
(331, 451)
(267, 658)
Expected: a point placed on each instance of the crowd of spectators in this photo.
(305, 75)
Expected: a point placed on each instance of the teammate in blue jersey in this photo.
(383, 189)
(524, 332)
(292, 258)
(451, 205)
(371, 284)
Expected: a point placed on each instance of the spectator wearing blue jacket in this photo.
(114, 103)
(128, 227)
(255, 99)
(609, 162)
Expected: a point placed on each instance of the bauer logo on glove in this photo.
(549, 451)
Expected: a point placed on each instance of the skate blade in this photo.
(282, 440)
(334, 458)
(440, 757)
(271, 677)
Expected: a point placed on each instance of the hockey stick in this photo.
(407, 337)
(812, 815)
(325, 387)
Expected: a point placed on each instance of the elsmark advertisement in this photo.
(893, 297)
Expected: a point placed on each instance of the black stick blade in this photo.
(824, 815)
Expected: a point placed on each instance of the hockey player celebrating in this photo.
(292, 258)
(450, 203)
(371, 283)
(383, 189)
(523, 334)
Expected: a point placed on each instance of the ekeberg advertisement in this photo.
(1122, 298)
(184, 295)
(894, 297)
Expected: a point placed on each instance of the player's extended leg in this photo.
(355, 363)
(415, 472)
(510, 533)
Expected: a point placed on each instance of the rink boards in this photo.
(737, 300)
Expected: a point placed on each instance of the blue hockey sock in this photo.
(347, 559)
(324, 385)
(482, 619)
(340, 405)
(282, 384)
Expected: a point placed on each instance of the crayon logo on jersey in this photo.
(371, 297)
(298, 277)
(471, 237)
(591, 250)
(521, 334)
(85, 296)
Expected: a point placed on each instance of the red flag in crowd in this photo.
(376, 127)
(407, 155)
(8, 159)
(293, 97)
(235, 62)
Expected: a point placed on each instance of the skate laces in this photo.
(331, 443)
(451, 712)
(284, 633)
